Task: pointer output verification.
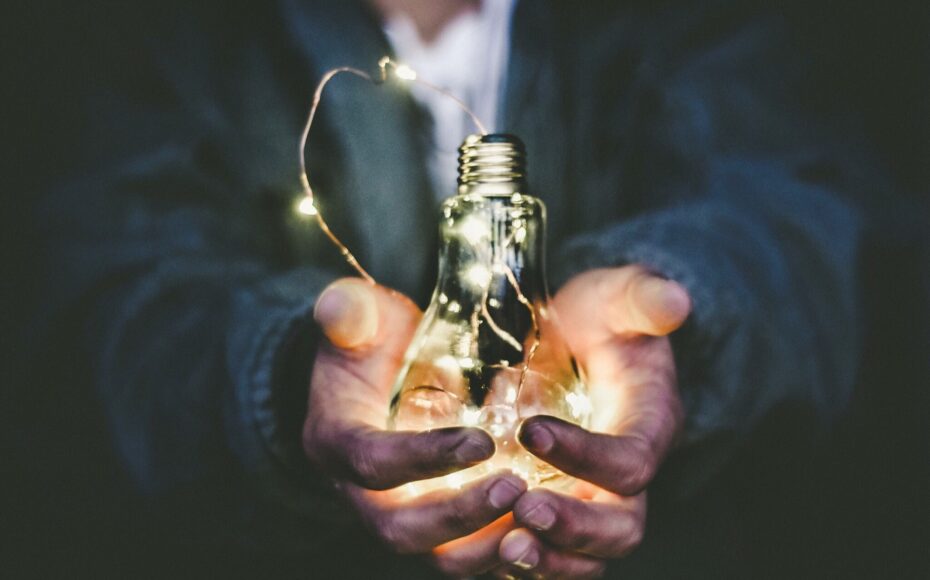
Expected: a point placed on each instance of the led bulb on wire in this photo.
(306, 207)
(406, 73)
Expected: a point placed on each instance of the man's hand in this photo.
(616, 322)
(368, 329)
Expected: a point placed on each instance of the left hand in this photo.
(367, 330)
(616, 321)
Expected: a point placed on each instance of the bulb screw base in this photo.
(492, 165)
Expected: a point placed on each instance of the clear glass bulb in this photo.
(489, 316)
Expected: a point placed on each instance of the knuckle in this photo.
(363, 465)
(632, 538)
(393, 535)
(578, 462)
(462, 515)
(578, 536)
(641, 468)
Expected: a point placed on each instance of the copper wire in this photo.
(537, 335)
(383, 65)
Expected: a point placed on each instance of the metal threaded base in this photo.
(492, 164)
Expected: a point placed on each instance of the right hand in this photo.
(367, 330)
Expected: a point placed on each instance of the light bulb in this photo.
(488, 351)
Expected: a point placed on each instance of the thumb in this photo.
(646, 303)
(347, 311)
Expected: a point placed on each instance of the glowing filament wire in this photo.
(529, 305)
(305, 181)
(401, 72)
(404, 72)
(535, 325)
(498, 265)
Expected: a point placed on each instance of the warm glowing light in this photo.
(470, 417)
(610, 401)
(467, 363)
(306, 206)
(405, 72)
(447, 363)
(474, 230)
(579, 403)
(423, 403)
(521, 472)
(478, 275)
(511, 396)
(455, 480)
(499, 420)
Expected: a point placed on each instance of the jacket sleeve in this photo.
(168, 251)
(763, 232)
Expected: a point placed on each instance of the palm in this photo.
(346, 440)
(616, 322)
(630, 372)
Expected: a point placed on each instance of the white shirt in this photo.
(468, 58)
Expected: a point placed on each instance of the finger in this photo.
(355, 314)
(347, 311)
(377, 459)
(474, 554)
(525, 552)
(609, 527)
(419, 525)
(642, 302)
(622, 464)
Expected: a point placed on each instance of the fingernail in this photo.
(519, 551)
(540, 517)
(472, 449)
(504, 492)
(663, 303)
(348, 313)
(675, 298)
(537, 438)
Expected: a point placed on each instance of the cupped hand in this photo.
(616, 321)
(367, 330)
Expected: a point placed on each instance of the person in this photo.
(704, 228)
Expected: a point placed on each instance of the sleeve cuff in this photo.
(270, 357)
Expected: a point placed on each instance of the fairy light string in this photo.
(389, 69)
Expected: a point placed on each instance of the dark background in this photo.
(855, 505)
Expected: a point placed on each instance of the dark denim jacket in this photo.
(671, 135)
